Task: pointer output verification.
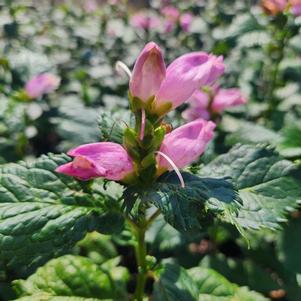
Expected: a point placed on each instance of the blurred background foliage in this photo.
(80, 42)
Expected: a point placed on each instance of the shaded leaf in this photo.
(268, 185)
(187, 208)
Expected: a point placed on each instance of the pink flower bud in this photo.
(226, 98)
(186, 143)
(185, 75)
(104, 159)
(41, 84)
(149, 72)
(185, 21)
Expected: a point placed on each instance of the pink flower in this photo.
(296, 7)
(148, 73)
(274, 7)
(185, 144)
(185, 21)
(183, 77)
(200, 105)
(41, 84)
(169, 26)
(226, 98)
(171, 13)
(90, 6)
(144, 21)
(104, 159)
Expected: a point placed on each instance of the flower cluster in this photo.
(169, 19)
(273, 7)
(150, 148)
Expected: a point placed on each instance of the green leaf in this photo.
(242, 272)
(76, 124)
(43, 214)
(174, 283)
(268, 185)
(72, 276)
(251, 133)
(290, 145)
(187, 208)
(46, 297)
(213, 286)
(112, 126)
(289, 246)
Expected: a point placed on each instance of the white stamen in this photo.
(122, 68)
(174, 167)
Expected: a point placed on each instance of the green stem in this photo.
(141, 263)
(273, 72)
(139, 231)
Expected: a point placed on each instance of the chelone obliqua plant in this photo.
(49, 205)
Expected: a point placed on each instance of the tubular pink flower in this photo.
(226, 98)
(186, 143)
(185, 75)
(149, 71)
(200, 105)
(104, 159)
(41, 84)
(185, 21)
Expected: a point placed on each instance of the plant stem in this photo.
(139, 230)
(141, 262)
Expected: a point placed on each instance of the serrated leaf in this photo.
(213, 286)
(72, 276)
(268, 185)
(76, 124)
(187, 208)
(43, 214)
(174, 283)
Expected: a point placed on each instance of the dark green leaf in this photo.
(43, 214)
(211, 285)
(174, 284)
(187, 208)
(268, 185)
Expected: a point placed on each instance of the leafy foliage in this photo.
(188, 208)
(72, 276)
(43, 214)
(175, 283)
(268, 185)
